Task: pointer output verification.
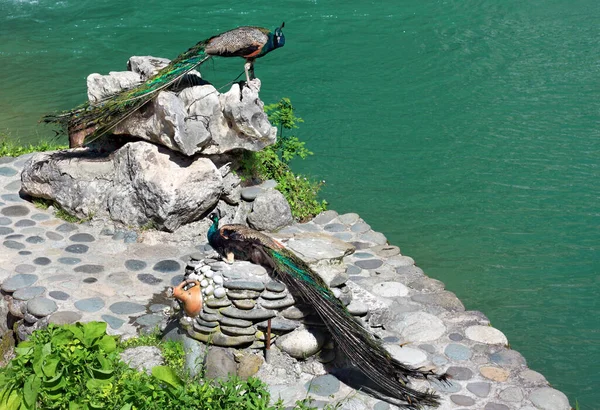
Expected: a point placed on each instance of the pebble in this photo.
(325, 217)
(219, 292)
(66, 227)
(514, 394)
(254, 314)
(406, 355)
(90, 269)
(326, 385)
(245, 304)
(25, 268)
(449, 386)
(58, 295)
(148, 320)
(508, 358)
(390, 289)
(357, 308)
(498, 406)
(278, 304)
(250, 193)
(349, 218)
(273, 295)
(41, 306)
(485, 334)
(547, 398)
(301, 343)
(167, 266)
(13, 245)
(216, 303)
(419, 327)
(148, 279)
(243, 294)
(90, 304)
(135, 265)
(54, 236)
(228, 321)
(19, 281)
(24, 223)
(462, 400)
(238, 331)
(459, 373)
(458, 352)
(64, 317)
(494, 373)
(77, 249)
(279, 325)
(369, 263)
(126, 308)
(28, 292)
(5, 221)
(445, 299)
(35, 240)
(479, 389)
(15, 211)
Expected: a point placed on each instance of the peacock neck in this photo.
(212, 231)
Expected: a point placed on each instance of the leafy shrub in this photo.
(274, 163)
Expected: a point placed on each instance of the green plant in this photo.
(10, 147)
(274, 163)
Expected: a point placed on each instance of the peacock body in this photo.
(390, 375)
(88, 122)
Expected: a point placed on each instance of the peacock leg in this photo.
(249, 69)
(230, 258)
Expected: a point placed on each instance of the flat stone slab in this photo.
(64, 317)
(313, 247)
(28, 292)
(486, 334)
(419, 327)
(90, 304)
(19, 281)
(126, 308)
(41, 306)
(390, 289)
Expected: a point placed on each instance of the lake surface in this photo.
(467, 131)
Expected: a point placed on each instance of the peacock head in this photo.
(278, 37)
(214, 216)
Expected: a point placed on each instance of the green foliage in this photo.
(78, 367)
(274, 163)
(13, 148)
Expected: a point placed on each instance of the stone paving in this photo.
(57, 272)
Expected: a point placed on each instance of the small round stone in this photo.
(66, 227)
(25, 268)
(126, 308)
(176, 280)
(148, 279)
(458, 352)
(130, 237)
(459, 373)
(390, 289)
(498, 406)
(250, 193)
(149, 320)
(547, 398)
(35, 239)
(406, 355)
(24, 253)
(41, 306)
(455, 337)
(219, 292)
(19, 281)
(90, 304)
(369, 263)
(494, 373)
(419, 327)
(90, 280)
(302, 343)
(40, 217)
(82, 237)
(15, 237)
(462, 400)
(448, 386)
(514, 394)
(8, 172)
(13, 245)
(113, 322)
(42, 261)
(90, 269)
(24, 223)
(486, 334)
(78, 249)
(58, 295)
(334, 227)
(69, 261)
(53, 236)
(64, 317)
(508, 358)
(135, 264)
(5, 221)
(353, 270)
(479, 389)
(29, 292)
(6, 231)
(15, 210)
(167, 266)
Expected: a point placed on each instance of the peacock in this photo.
(391, 376)
(88, 122)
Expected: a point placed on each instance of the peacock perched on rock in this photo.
(368, 355)
(88, 122)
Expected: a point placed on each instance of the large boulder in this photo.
(194, 119)
(138, 184)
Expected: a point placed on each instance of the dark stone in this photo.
(369, 263)
(126, 308)
(5, 230)
(113, 322)
(90, 269)
(245, 304)
(24, 253)
(206, 324)
(217, 303)
(238, 331)
(149, 320)
(363, 255)
(275, 286)
(15, 211)
(220, 363)
(81, 237)
(42, 261)
(69, 261)
(11, 198)
(35, 239)
(244, 284)
(130, 237)
(22, 280)
(13, 245)
(5, 221)
(79, 248)
(15, 237)
(456, 337)
(167, 266)
(459, 373)
(90, 304)
(479, 389)
(228, 321)
(148, 279)
(24, 223)
(54, 236)
(279, 325)
(135, 264)
(254, 314)
(58, 295)
(335, 227)
(495, 406)
(176, 280)
(66, 227)
(90, 280)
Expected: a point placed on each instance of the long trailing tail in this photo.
(88, 122)
(355, 341)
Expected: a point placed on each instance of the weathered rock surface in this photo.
(270, 211)
(141, 183)
(196, 119)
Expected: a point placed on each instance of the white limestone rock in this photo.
(486, 334)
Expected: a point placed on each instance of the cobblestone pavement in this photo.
(59, 272)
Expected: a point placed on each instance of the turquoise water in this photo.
(467, 131)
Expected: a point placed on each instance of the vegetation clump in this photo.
(10, 147)
(274, 163)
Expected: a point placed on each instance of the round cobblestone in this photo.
(126, 308)
(113, 322)
(66, 228)
(19, 281)
(167, 266)
(69, 261)
(15, 211)
(135, 264)
(90, 304)
(77, 249)
(58, 295)
(25, 268)
(89, 268)
(82, 237)
(458, 352)
(148, 279)
(24, 223)
(35, 240)
(5, 221)
(13, 245)
(29, 292)
(53, 236)
(41, 306)
(42, 261)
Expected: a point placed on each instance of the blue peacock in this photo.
(88, 122)
(389, 375)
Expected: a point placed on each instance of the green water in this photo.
(467, 131)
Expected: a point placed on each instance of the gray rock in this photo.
(462, 400)
(254, 314)
(278, 304)
(216, 303)
(301, 343)
(243, 294)
(498, 406)
(250, 193)
(445, 299)
(273, 295)
(126, 308)
(245, 304)
(325, 217)
(244, 285)
(275, 286)
(479, 389)
(19, 281)
(297, 312)
(41, 306)
(547, 398)
(64, 317)
(419, 327)
(513, 394)
(270, 211)
(113, 322)
(279, 325)
(28, 292)
(238, 331)
(228, 321)
(326, 385)
(459, 373)
(458, 352)
(102, 86)
(147, 66)
(508, 358)
(90, 304)
(142, 358)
